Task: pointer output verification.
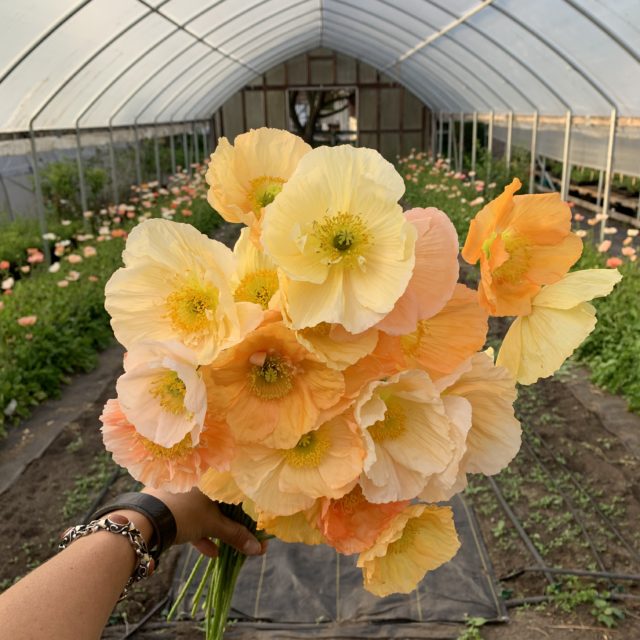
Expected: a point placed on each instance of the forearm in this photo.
(73, 594)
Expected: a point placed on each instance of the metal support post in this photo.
(434, 135)
(196, 151)
(39, 200)
(440, 135)
(83, 186)
(566, 168)
(461, 145)
(112, 160)
(600, 187)
(474, 141)
(543, 170)
(6, 198)
(156, 152)
(609, 166)
(172, 148)
(205, 148)
(137, 151)
(489, 148)
(185, 151)
(534, 146)
(507, 151)
(450, 134)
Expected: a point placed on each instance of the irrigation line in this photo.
(519, 602)
(587, 495)
(569, 503)
(147, 617)
(602, 575)
(520, 529)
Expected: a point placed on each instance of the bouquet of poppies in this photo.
(327, 376)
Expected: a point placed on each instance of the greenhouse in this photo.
(362, 273)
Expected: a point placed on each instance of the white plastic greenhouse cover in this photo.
(96, 63)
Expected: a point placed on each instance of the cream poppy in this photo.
(406, 434)
(175, 286)
(338, 235)
(561, 317)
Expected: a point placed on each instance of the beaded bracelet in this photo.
(144, 562)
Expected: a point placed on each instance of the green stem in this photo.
(185, 588)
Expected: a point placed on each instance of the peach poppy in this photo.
(162, 393)
(495, 434)
(177, 468)
(245, 177)
(27, 321)
(299, 527)
(351, 524)
(220, 486)
(323, 463)
(418, 540)
(406, 434)
(440, 344)
(270, 388)
(522, 242)
(335, 346)
(434, 275)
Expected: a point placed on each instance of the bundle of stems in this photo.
(219, 579)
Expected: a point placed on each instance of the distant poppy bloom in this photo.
(27, 321)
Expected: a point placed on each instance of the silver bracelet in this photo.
(144, 561)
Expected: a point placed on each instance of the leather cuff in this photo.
(156, 511)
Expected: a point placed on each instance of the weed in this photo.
(472, 630)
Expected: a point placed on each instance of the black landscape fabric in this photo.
(297, 591)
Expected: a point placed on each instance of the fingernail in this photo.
(252, 547)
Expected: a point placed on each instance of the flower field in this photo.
(52, 318)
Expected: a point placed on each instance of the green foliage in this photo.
(72, 325)
(569, 594)
(612, 351)
(472, 630)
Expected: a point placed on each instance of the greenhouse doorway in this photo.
(324, 115)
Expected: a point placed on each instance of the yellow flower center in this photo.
(191, 307)
(342, 239)
(263, 191)
(273, 379)
(517, 264)
(407, 539)
(169, 389)
(309, 452)
(410, 343)
(392, 426)
(257, 287)
(163, 453)
(352, 500)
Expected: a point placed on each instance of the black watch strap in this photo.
(156, 511)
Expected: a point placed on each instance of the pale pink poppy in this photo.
(89, 251)
(604, 246)
(74, 258)
(628, 251)
(27, 321)
(434, 275)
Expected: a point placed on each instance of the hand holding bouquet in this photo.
(327, 376)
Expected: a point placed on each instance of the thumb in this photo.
(238, 536)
